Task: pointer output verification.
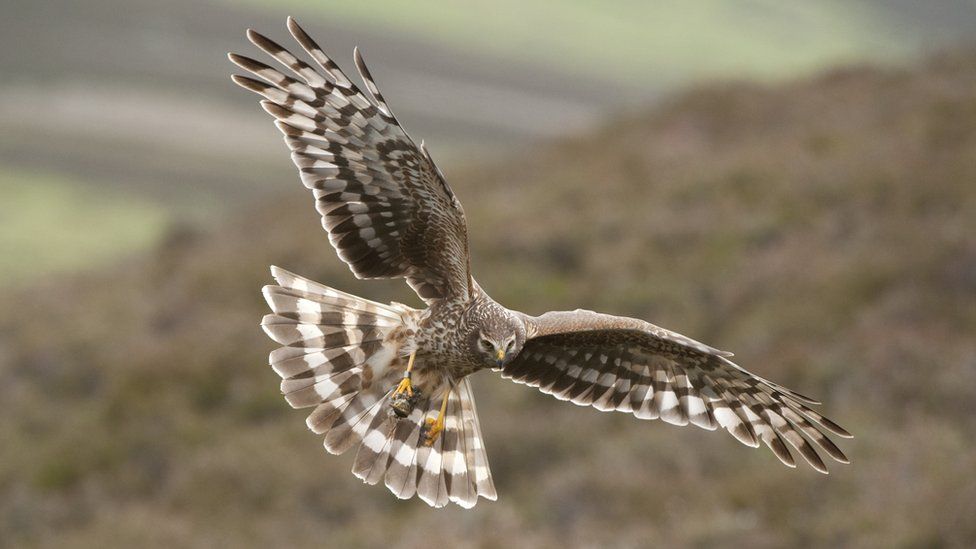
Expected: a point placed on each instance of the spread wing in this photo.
(387, 208)
(628, 365)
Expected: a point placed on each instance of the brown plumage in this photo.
(390, 380)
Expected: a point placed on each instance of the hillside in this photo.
(667, 42)
(822, 230)
(68, 110)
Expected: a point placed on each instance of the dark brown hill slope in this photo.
(823, 231)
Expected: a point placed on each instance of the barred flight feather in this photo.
(380, 195)
(614, 363)
(339, 357)
(389, 213)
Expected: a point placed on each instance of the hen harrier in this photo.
(393, 380)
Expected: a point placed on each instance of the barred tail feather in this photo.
(477, 456)
(453, 469)
(337, 355)
(341, 356)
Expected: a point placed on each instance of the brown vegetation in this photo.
(823, 231)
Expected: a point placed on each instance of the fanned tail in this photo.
(452, 469)
(339, 354)
(344, 355)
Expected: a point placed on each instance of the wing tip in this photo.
(287, 129)
(836, 429)
(275, 109)
(293, 25)
(247, 83)
(237, 59)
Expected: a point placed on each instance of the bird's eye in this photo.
(484, 343)
(511, 345)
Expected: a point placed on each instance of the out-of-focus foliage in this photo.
(129, 99)
(61, 224)
(822, 230)
(666, 41)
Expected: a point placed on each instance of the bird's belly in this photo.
(433, 373)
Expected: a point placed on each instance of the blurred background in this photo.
(795, 183)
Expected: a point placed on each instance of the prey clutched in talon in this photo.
(404, 397)
(402, 403)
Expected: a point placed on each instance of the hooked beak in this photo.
(500, 356)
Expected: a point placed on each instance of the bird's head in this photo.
(497, 339)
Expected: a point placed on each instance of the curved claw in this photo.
(432, 430)
(405, 386)
(403, 399)
(434, 427)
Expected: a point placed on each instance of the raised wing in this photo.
(387, 208)
(628, 365)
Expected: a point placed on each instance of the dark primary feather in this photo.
(388, 210)
(628, 365)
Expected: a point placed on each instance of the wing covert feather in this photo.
(387, 208)
(629, 365)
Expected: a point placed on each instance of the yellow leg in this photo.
(433, 427)
(405, 386)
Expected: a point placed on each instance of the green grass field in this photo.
(174, 169)
(51, 222)
(667, 42)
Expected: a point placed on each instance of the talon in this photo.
(432, 430)
(434, 427)
(404, 387)
(403, 403)
(403, 399)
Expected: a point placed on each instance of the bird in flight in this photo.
(392, 381)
